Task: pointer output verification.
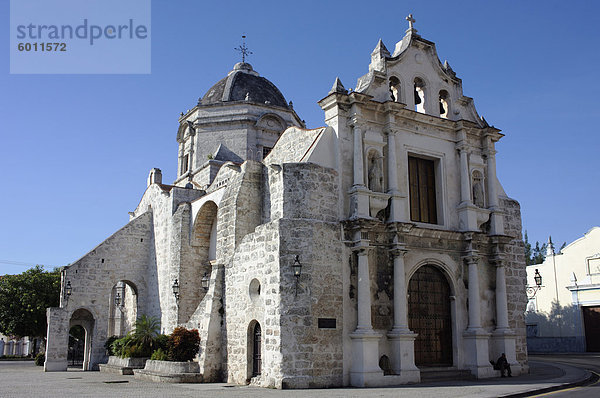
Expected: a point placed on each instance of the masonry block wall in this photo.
(125, 256)
(516, 275)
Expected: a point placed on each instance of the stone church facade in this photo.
(362, 253)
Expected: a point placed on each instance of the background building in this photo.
(564, 314)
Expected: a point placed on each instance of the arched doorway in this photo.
(84, 319)
(76, 347)
(123, 308)
(429, 315)
(254, 349)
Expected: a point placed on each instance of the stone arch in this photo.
(254, 349)
(123, 308)
(203, 244)
(444, 104)
(84, 317)
(431, 316)
(419, 94)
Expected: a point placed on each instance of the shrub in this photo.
(109, 345)
(161, 341)
(159, 355)
(183, 344)
(40, 359)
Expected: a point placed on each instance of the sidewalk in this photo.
(23, 379)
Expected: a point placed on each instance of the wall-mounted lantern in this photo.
(205, 281)
(176, 290)
(532, 290)
(68, 290)
(297, 268)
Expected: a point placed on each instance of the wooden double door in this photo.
(429, 315)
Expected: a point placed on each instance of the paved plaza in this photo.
(24, 379)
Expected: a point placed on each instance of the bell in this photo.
(442, 110)
(417, 98)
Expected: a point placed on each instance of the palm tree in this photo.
(146, 330)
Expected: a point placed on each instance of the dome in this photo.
(244, 84)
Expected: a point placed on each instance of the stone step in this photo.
(444, 374)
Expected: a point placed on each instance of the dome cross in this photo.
(243, 49)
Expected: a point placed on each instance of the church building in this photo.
(378, 250)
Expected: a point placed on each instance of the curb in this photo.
(591, 377)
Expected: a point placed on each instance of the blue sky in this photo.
(75, 150)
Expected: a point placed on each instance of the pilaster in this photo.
(475, 338)
(401, 337)
(365, 341)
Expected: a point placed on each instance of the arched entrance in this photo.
(429, 316)
(254, 349)
(85, 320)
(76, 347)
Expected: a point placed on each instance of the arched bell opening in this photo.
(395, 89)
(419, 95)
(444, 104)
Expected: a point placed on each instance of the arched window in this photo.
(395, 89)
(419, 94)
(444, 101)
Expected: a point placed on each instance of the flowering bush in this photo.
(183, 344)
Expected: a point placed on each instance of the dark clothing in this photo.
(503, 366)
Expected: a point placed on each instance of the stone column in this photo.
(476, 340)
(359, 179)
(365, 370)
(465, 178)
(397, 208)
(401, 337)
(501, 300)
(497, 223)
(474, 299)
(363, 293)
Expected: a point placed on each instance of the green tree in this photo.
(24, 299)
(535, 255)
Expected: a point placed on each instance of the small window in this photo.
(395, 89)
(419, 94)
(327, 323)
(185, 160)
(444, 99)
(421, 176)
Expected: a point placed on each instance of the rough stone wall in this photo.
(312, 356)
(167, 229)
(255, 258)
(516, 275)
(240, 210)
(125, 256)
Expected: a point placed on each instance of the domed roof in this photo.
(244, 84)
